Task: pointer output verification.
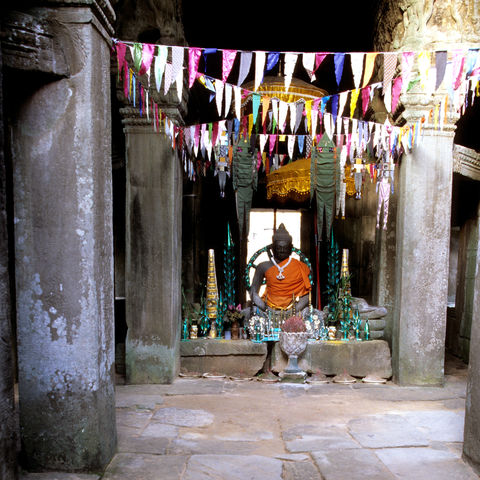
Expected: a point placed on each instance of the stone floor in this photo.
(204, 428)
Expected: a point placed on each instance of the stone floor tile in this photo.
(160, 430)
(359, 464)
(133, 418)
(233, 467)
(300, 471)
(57, 476)
(438, 425)
(141, 445)
(389, 430)
(183, 417)
(308, 438)
(194, 446)
(128, 466)
(425, 464)
(140, 401)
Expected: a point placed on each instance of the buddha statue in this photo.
(287, 279)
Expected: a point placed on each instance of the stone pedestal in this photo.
(153, 255)
(422, 261)
(358, 358)
(63, 248)
(237, 358)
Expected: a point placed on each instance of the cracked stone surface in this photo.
(210, 429)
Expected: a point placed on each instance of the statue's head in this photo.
(282, 243)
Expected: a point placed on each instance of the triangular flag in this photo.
(308, 115)
(136, 52)
(424, 60)
(293, 116)
(177, 61)
(272, 59)
(396, 89)
(308, 60)
(300, 109)
(440, 65)
(237, 91)
(193, 61)
(314, 116)
(259, 67)
(301, 143)
(389, 65)
(255, 106)
(228, 57)
(369, 64)
(147, 57)
(458, 64)
(335, 107)
(291, 145)
(121, 49)
(339, 60)
(265, 105)
(275, 102)
(282, 117)
(290, 62)
(159, 65)
(407, 65)
(228, 98)
(356, 60)
(262, 141)
(319, 58)
(219, 86)
(272, 141)
(245, 63)
(168, 78)
(365, 98)
(471, 61)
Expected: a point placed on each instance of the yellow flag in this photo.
(369, 64)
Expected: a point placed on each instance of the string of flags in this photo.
(145, 68)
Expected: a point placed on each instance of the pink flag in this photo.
(147, 57)
(458, 63)
(396, 89)
(121, 50)
(193, 61)
(407, 64)
(389, 65)
(228, 59)
(272, 141)
(319, 58)
(365, 98)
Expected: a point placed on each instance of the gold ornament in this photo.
(212, 290)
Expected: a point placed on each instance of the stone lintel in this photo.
(357, 358)
(466, 162)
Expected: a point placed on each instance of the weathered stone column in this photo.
(422, 261)
(471, 445)
(61, 142)
(425, 186)
(153, 266)
(8, 426)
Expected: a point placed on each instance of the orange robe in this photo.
(279, 293)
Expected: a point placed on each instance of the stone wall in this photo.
(8, 426)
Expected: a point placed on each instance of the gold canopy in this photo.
(292, 181)
(274, 87)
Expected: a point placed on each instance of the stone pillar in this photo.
(471, 442)
(153, 264)
(61, 142)
(422, 260)
(7, 410)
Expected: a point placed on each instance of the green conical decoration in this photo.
(333, 279)
(229, 269)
